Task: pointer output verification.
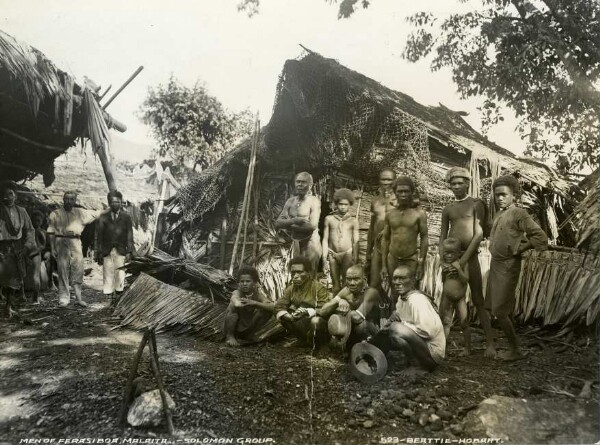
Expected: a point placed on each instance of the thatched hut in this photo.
(43, 111)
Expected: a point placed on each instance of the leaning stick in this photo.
(127, 82)
(128, 394)
(161, 388)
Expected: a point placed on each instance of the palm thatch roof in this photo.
(42, 112)
(328, 118)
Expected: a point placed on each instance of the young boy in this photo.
(455, 281)
(463, 219)
(249, 308)
(340, 238)
(513, 232)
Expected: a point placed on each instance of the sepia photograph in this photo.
(311, 222)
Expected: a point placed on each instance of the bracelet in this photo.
(361, 314)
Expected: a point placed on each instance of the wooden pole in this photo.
(250, 188)
(157, 375)
(223, 237)
(255, 240)
(128, 394)
(107, 168)
(246, 194)
(127, 82)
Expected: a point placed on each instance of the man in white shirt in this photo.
(64, 229)
(415, 327)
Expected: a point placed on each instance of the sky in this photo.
(237, 58)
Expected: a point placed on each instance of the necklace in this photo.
(461, 200)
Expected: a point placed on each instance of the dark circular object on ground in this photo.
(367, 363)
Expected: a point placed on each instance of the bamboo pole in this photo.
(128, 393)
(223, 237)
(246, 194)
(157, 375)
(251, 185)
(127, 82)
(255, 239)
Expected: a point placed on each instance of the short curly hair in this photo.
(248, 270)
(509, 181)
(343, 194)
(308, 267)
(451, 245)
(405, 180)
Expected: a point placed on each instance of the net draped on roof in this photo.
(328, 118)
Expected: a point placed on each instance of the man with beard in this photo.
(299, 309)
(357, 302)
(64, 229)
(17, 241)
(382, 203)
(300, 216)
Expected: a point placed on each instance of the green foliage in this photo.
(540, 59)
(191, 127)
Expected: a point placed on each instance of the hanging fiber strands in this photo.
(150, 303)
(95, 125)
(588, 218)
(475, 184)
(205, 279)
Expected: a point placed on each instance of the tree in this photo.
(540, 58)
(192, 127)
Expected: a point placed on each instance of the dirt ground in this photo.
(63, 372)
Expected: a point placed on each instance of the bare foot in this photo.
(81, 303)
(465, 352)
(512, 355)
(232, 341)
(490, 352)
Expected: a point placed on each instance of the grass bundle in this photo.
(95, 125)
(588, 217)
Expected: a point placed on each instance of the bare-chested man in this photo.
(404, 232)
(300, 215)
(382, 203)
(464, 218)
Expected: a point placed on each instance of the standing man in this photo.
(299, 309)
(464, 218)
(64, 230)
(513, 232)
(382, 203)
(17, 241)
(300, 216)
(114, 244)
(405, 233)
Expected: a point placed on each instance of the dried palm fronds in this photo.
(559, 287)
(207, 280)
(95, 126)
(28, 66)
(152, 303)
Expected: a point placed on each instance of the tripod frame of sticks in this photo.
(149, 338)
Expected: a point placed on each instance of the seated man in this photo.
(359, 303)
(249, 308)
(415, 328)
(298, 310)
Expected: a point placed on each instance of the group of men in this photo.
(381, 301)
(24, 245)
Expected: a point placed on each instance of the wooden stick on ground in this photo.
(128, 394)
(161, 388)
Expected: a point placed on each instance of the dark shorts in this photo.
(501, 286)
(475, 281)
